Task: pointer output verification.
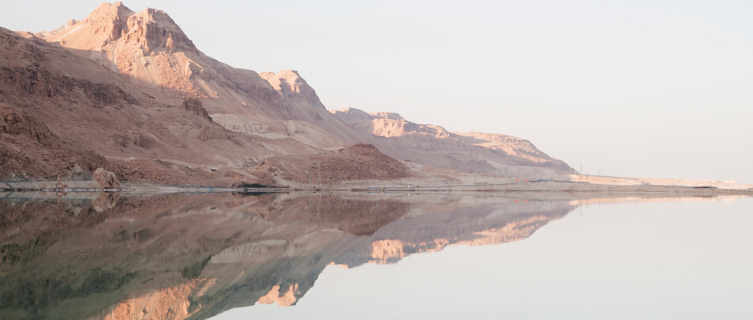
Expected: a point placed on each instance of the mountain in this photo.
(150, 47)
(64, 115)
(129, 92)
(432, 145)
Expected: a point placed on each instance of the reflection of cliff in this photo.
(467, 221)
(196, 256)
(170, 256)
(168, 303)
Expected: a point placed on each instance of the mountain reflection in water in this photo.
(194, 256)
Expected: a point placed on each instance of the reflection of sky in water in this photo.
(129, 256)
(689, 260)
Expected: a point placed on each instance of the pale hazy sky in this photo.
(625, 88)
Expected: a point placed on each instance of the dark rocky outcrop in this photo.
(35, 80)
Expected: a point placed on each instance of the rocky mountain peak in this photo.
(110, 11)
(292, 85)
(106, 23)
(150, 30)
(154, 30)
(147, 45)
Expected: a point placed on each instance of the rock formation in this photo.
(129, 92)
(357, 162)
(105, 178)
(150, 47)
(432, 145)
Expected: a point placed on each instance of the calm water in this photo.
(375, 256)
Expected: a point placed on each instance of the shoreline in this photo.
(49, 186)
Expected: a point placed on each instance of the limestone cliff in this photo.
(133, 91)
(151, 47)
(433, 145)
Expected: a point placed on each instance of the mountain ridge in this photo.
(489, 153)
(132, 88)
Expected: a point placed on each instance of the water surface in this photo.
(375, 256)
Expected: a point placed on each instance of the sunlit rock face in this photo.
(151, 47)
(147, 45)
(119, 89)
(433, 145)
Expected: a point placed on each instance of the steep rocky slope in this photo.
(357, 162)
(129, 92)
(28, 147)
(64, 115)
(151, 47)
(432, 145)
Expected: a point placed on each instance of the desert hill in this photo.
(129, 92)
(432, 145)
(58, 108)
(149, 46)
